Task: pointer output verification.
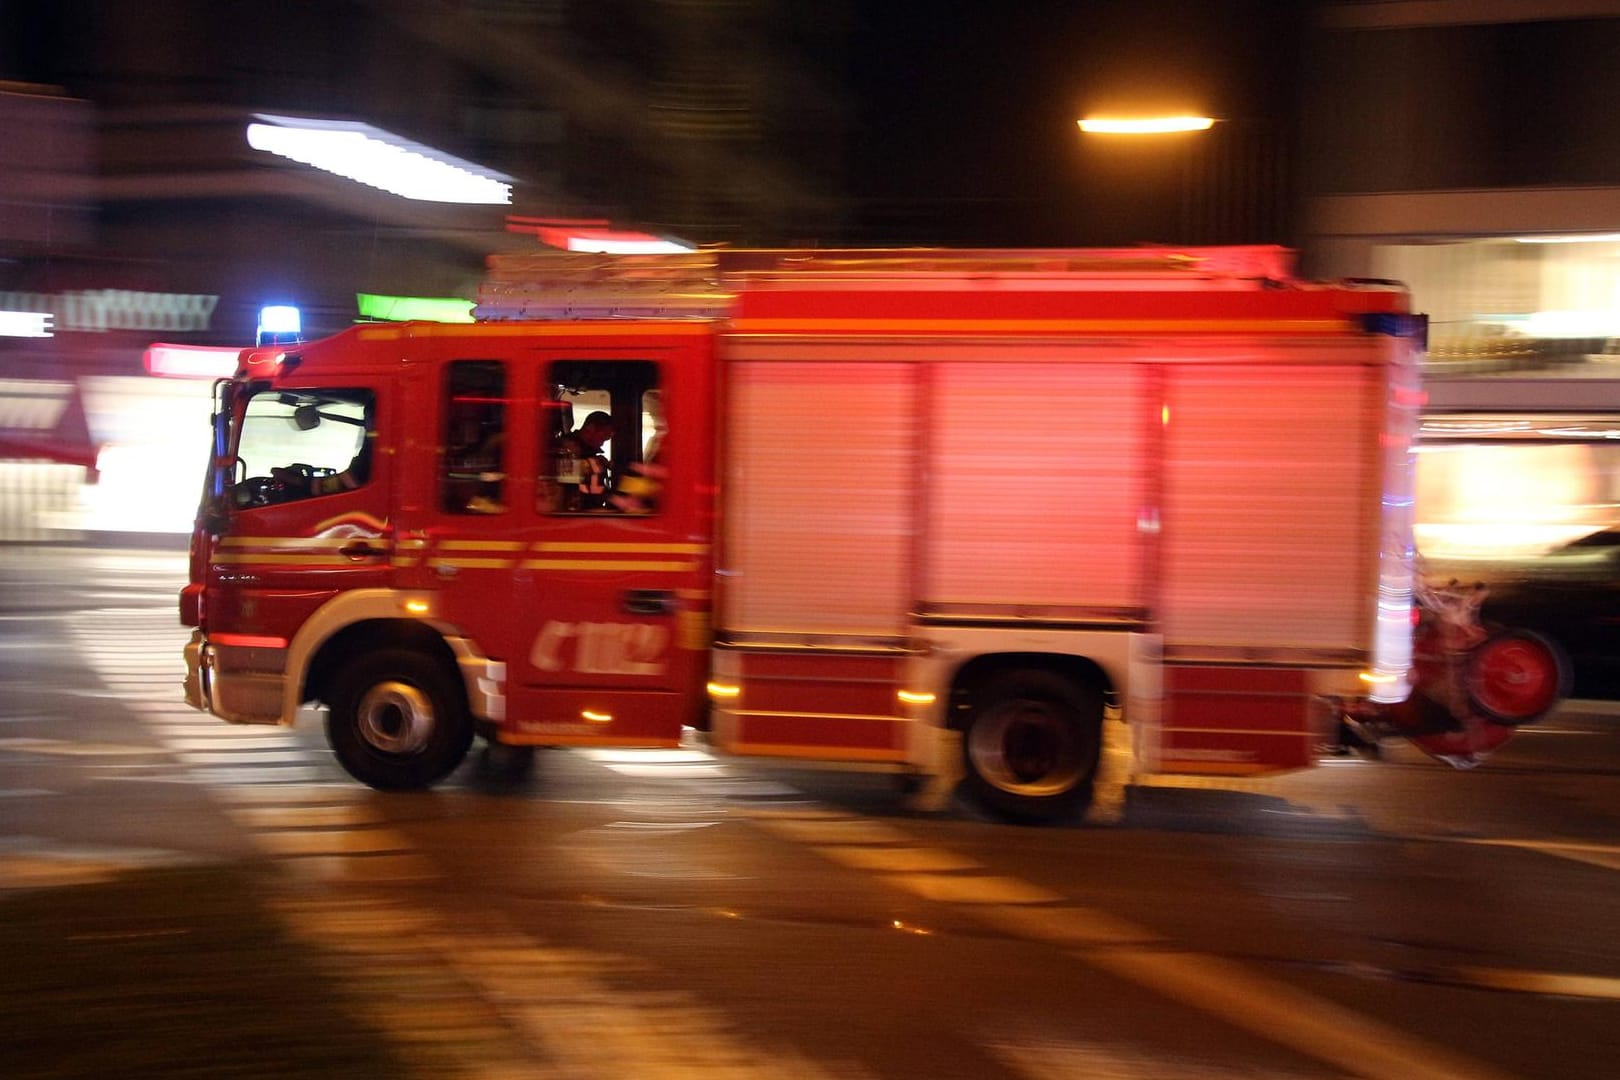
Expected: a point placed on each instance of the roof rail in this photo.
(702, 284)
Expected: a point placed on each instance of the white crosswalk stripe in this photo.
(136, 654)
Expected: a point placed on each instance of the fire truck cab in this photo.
(958, 514)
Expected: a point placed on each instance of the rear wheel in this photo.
(1516, 676)
(397, 720)
(1031, 746)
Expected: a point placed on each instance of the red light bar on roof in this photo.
(192, 361)
(593, 235)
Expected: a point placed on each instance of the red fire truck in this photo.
(967, 515)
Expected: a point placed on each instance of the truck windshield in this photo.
(299, 444)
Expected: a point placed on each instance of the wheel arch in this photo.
(370, 635)
(971, 678)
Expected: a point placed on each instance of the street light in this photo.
(1145, 125)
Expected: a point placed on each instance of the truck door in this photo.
(571, 535)
(309, 509)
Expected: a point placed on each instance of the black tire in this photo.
(398, 720)
(503, 764)
(1031, 745)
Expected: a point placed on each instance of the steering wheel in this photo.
(297, 473)
(257, 491)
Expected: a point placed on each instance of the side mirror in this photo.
(306, 417)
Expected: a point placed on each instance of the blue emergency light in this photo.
(279, 323)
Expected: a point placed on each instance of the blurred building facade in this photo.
(133, 211)
(1471, 149)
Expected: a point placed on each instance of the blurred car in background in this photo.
(1571, 594)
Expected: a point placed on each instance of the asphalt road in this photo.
(181, 897)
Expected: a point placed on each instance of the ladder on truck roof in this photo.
(703, 284)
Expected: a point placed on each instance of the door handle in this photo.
(357, 550)
(649, 601)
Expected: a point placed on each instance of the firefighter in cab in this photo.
(582, 468)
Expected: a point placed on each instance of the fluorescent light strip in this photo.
(1151, 125)
(643, 246)
(1577, 238)
(25, 324)
(380, 159)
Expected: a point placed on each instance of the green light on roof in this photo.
(423, 308)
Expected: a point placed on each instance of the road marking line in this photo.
(1041, 1058)
(342, 842)
(1288, 1016)
(973, 889)
(546, 1010)
(230, 741)
(1272, 1010)
(839, 830)
(899, 860)
(68, 748)
(290, 795)
(1069, 926)
(389, 867)
(250, 755)
(304, 817)
(1544, 982)
(271, 773)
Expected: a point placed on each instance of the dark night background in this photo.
(966, 109)
(950, 121)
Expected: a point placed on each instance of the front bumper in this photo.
(239, 685)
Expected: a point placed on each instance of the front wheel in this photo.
(397, 721)
(1031, 746)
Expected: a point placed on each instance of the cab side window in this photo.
(300, 443)
(473, 452)
(603, 428)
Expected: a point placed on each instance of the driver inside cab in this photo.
(299, 483)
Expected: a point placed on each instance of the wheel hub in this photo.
(396, 718)
(1026, 748)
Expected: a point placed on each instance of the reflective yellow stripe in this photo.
(295, 560)
(1065, 326)
(822, 753)
(610, 564)
(639, 549)
(825, 715)
(332, 542)
(519, 328)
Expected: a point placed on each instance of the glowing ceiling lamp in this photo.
(1147, 125)
(379, 158)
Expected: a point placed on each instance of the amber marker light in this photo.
(593, 717)
(416, 607)
(915, 697)
(723, 690)
(1144, 125)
